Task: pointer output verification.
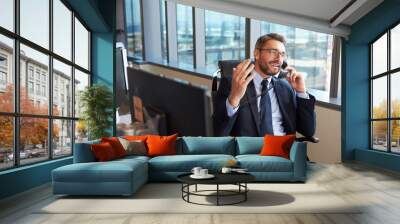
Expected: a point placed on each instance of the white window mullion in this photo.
(151, 30)
(172, 36)
(255, 33)
(199, 40)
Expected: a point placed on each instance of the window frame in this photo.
(388, 74)
(16, 115)
(330, 99)
(142, 57)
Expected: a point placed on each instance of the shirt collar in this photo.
(258, 78)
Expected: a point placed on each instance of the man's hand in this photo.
(240, 80)
(296, 80)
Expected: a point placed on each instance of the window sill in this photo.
(324, 100)
(29, 166)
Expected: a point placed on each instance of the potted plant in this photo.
(96, 102)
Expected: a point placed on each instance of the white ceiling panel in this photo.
(316, 15)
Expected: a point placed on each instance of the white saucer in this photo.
(208, 176)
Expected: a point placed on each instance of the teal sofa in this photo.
(125, 176)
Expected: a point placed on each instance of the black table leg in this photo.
(188, 189)
(217, 194)
(245, 193)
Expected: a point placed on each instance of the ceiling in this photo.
(319, 9)
(329, 16)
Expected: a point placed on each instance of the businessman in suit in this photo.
(256, 100)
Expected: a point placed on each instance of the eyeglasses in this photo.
(273, 52)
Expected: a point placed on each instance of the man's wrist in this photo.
(233, 103)
(301, 91)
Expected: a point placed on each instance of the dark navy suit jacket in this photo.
(297, 113)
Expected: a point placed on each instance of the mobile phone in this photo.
(284, 72)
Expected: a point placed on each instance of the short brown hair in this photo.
(270, 36)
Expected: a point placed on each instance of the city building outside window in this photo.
(134, 28)
(34, 94)
(184, 30)
(163, 24)
(225, 38)
(308, 51)
(3, 78)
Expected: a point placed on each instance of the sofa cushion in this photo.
(134, 147)
(112, 171)
(116, 145)
(136, 137)
(185, 163)
(161, 145)
(83, 152)
(103, 152)
(249, 145)
(277, 145)
(132, 158)
(257, 163)
(208, 145)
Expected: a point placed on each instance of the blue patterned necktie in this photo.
(265, 110)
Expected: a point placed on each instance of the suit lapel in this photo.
(252, 99)
(278, 89)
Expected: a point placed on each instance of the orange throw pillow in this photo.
(161, 145)
(116, 145)
(103, 152)
(277, 145)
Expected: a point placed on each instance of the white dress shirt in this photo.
(277, 125)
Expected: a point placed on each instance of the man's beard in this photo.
(264, 69)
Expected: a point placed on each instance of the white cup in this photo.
(196, 171)
(226, 170)
(203, 172)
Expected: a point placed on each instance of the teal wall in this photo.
(99, 16)
(24, 178)
(355, 103)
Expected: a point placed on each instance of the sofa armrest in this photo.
(83, 153)
(298, 155)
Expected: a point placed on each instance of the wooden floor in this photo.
(377, 188)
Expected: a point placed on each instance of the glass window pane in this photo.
(62, 89)
(379, 135)
(395, 47)
(81, 45)
(62, 138)
(35, 21)
(62, 29)
(309, 52)
(225, 38)
(34, 97)
(164, 50)
(81, 81)
(134, 28)
(33, 139)
(288, 32)
(6, 74)
(184, 36)
(395, 136)
(7, 14)
(395, 95)
(81, 131)
(379, 56)
(379, 98)
(6, 142)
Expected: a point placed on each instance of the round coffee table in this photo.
(238, 179)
